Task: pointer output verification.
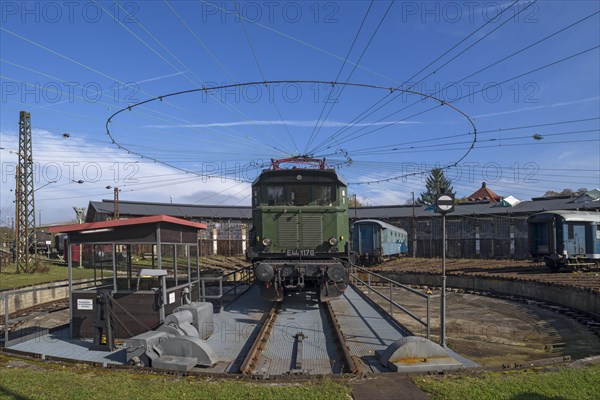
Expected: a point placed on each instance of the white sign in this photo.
(444, 204)
(48, 242)
(171, 297)
(85, 304)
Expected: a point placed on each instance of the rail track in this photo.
(504, 269)
(18, 319)
(299, 336)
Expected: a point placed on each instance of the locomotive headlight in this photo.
(333, 241)
(266, 242)
(264, 272)
(336, 273)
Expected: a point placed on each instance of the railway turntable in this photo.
(255, 337)
(161, 317)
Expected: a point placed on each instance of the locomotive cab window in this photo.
(323, 195)
(299, 195)
(275, 195)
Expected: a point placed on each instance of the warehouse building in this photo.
(478, 229)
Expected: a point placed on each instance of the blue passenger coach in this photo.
(565, 238)
(374, 240)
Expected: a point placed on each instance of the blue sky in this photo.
(532, 70)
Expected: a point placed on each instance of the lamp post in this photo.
(444, 204)
(79, 211)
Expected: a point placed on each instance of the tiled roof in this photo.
(484, 194)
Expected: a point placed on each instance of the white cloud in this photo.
(60, 162)
(307, 124)
(561, 104)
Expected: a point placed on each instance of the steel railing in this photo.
(231, 282)
(377, 283)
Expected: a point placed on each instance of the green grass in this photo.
(9, 279)
(536, 384)
(36, 380)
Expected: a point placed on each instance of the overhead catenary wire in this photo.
(489, 21)
(264, 79)
(230, 107)
(357, 85)
(170, 52)
(366, 114)
(399, 149)
(93, 69)
(360, 27)
(317, 126)
(183, 158)
(221, 134)
(216, 60)
(473, 93)
(295, 39)
(480, 132)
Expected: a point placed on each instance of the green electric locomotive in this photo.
(299, 238)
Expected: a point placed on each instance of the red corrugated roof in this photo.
(125, 222)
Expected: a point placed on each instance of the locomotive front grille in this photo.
(287, 231)
(312, 230)
(304, 231)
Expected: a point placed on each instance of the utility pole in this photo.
(25, 205)
(414, 227)
(116, 203)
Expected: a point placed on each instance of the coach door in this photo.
(575, 239)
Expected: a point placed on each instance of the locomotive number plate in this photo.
(297, 252)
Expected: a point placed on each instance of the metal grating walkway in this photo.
(235, 328)
(365, 328)
(58, 344)
(300, 312)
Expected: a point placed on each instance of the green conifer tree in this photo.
(436, 184)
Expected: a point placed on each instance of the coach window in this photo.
(598, 232)
(570, 234)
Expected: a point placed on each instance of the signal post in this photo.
(444, 204)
